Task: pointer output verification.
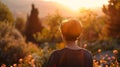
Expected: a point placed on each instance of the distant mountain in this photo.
(23, 7)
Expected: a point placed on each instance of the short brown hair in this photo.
(71, 29)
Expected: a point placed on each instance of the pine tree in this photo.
(112, 11)
(33, 24)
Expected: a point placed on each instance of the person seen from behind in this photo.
(72, 55)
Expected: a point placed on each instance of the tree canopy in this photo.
(5, 14)
(33, 25)
(112, 11)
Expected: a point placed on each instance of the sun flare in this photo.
(78, 4)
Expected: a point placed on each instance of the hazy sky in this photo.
(65, 7)
(77, 4)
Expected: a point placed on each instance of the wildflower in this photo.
(106, 55)
(99, 50)
(3, 65)
(106, 65)
(14, 65)
(115, 52)
(32, 63)
(85, 45)
(113, 57)
(29, 57)
(109, 58)
(20, 60)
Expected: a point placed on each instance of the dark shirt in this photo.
(70, 58)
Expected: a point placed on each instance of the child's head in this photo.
(71, 29)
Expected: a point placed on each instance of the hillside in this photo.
(23, 7)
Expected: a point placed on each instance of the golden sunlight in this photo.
(78, 4)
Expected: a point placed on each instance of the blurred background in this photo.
(29, 30)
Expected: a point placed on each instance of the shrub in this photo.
(12, 45)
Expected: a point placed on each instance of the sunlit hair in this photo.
(71, 29)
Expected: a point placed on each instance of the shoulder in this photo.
(55, 52)
(53, 55)
(58, 52)
(86, 52)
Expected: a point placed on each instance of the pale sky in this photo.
(45, 7)
(77, 4)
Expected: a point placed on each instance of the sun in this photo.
(78, 4)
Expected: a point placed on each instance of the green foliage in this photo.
(51, 32)
(12, 44)
(112, 10)
(92, 25)
(43, 36)
(33, 25)
(107, 45)
(20, 24)
(54, 23)
(5, 14)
